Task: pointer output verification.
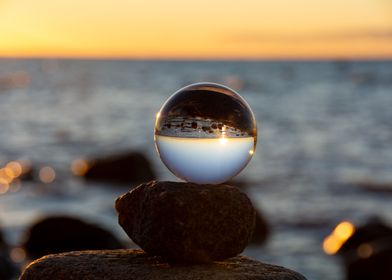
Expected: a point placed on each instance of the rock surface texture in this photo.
(136, 265)
(186, 222)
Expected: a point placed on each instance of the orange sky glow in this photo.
(221, 29)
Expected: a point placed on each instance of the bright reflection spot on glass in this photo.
(47, 174)
(79, 167)
(338, 237)
(223, 140)
(365, 251)
(18, 255)
(251, 152)
(224, 133)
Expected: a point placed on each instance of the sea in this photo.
(323, 126)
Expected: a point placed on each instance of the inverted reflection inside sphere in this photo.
(205, 133)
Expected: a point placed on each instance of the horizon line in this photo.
(179, 59)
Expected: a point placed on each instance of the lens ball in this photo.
(205, 133)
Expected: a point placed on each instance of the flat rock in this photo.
(136, 265)
(187, 222)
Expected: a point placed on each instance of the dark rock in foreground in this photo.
(125, 168)
(186, 222)
(7, 269)
(3, 244)
(59, 234)
(367, 254)
(136, 265)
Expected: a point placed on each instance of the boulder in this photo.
(374, 186)
(375, 229)
(63, 234)
(7, 269)
(186, 222)
(367, 254)
(2, 240)
(136, 265)
(372, 265)
(124, 168)
(261, 230)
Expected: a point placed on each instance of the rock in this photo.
(375, 266)
(63, 234)
(125, 168)
(135, 265)
(367, 254)
(186, 222)
(7, 269)
(261, 230)
(372, 231)
(374, 186)
(2, 240)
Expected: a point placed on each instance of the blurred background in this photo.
(81, 82)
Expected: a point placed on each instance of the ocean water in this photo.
(321, 127)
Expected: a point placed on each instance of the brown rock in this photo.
(186, 222)
(136, 265)
(261, 231)
(367, 254)
(57, 234)
(121, 168)
(7, 269)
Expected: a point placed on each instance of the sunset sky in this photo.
(219, 29)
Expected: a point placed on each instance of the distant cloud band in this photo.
(259, 37)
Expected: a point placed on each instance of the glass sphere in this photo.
(205, 133)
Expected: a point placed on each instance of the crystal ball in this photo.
(205, 133)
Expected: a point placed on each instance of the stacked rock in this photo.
(186, 222)
(205, 134)
(174, 223)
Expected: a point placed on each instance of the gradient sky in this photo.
(197, 29)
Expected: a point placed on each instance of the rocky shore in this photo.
(187, 231)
